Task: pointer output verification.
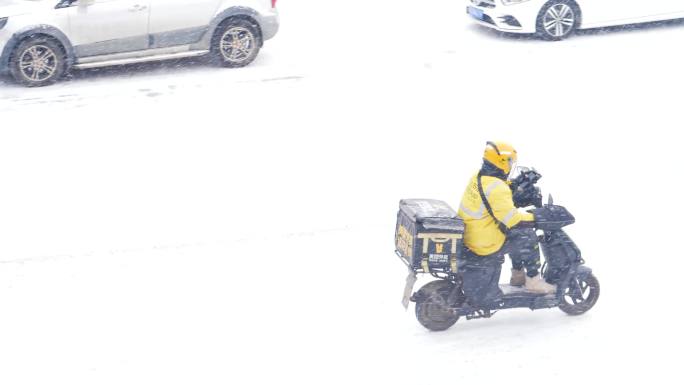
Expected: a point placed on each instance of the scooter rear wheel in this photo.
(432, 308)
(580, 304)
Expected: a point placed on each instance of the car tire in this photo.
(38, 61)
(558, 19)
(236, 43)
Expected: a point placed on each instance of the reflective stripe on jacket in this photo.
(482, 235)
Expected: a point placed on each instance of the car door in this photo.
(666, 8)
(649, 10)
(613, 12)
(100, 27)
(602, 12)
(180, 22)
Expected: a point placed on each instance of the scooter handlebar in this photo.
(525, 193)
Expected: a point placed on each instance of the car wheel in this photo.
(38, 61)
(558, 19)
(236, 43)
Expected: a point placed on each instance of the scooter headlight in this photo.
(513, 2)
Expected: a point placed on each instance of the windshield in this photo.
(516, 171)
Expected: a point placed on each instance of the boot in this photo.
(517, 277)
(537, 285)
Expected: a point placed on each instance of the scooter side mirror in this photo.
(550, 202)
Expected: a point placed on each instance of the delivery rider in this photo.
(494, 226)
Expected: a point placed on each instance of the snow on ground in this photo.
(177, 223)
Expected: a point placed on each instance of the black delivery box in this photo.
(428, 235)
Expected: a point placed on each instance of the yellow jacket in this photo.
(482, 234)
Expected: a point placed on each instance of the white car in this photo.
(556, 19)
(40, 40)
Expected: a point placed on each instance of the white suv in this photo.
(42, 39)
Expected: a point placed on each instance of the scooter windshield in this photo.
(517, 171)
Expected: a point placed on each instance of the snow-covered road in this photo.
(183, 224)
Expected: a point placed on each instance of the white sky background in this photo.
(203, 225)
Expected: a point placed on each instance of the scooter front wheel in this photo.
(581, 295)
(432, 306)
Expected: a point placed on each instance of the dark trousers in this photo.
(523, 248)
(481, 274)
(481, 278)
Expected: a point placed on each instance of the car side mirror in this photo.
(65, 3)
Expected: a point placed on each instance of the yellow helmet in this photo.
(502, 155)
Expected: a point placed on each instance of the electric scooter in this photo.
(439, 304)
